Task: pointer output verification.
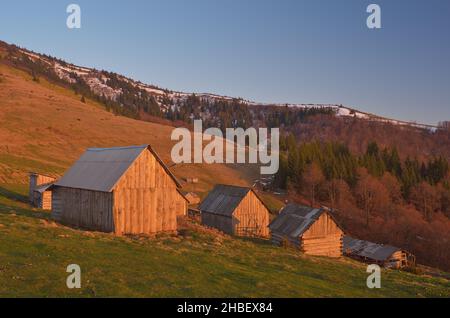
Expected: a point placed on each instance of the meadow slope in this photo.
(35, 252)
(45, 128)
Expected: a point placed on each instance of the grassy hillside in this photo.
(35, 252)
(45, 128)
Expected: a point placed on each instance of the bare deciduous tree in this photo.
(312, 178)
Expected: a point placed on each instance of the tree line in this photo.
(133, 101)
(377, 195)
(317, 165)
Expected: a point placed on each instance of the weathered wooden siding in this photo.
(400, 259)
(251, 217)
(181, 205)
(146, 200)
(42, 200)
(57, 203)
(220, 222)
(91, 210)
(46, 202)
(37, 180)
(281, 240)
(323, 238)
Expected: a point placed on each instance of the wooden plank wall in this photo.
(323, 238)
(46, 200)
(251, 217)
(146, 200)
(281, 240)
(37, 200)
(91, 210)
(37, 180)
(57, 203)
(43, 200)
(220, 222)
(181, 206)
(399, 259)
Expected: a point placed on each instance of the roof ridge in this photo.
(119, 148)
(232, 186)
(116, 160)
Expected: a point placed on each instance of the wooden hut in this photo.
(192, 197)
(312, 231)
(235, 211)
(40, 195)
(125, 190)
(383, 255)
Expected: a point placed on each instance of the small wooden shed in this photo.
(127, 190)
(383, 255)
(312, 231)
(192, 197)
(235, 211)
(40, 194)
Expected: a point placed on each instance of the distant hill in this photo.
(45, 127)
(131, 98)
(112, 86)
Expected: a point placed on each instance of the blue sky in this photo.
(296, 51)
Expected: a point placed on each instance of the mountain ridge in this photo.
(99, 82)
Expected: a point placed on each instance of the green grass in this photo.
(43, 155)
(273, 204)
(19, 162)
(34, 254)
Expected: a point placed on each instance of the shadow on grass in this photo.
(254, 240)
(12, 195)
(22, 211)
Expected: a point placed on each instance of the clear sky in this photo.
(311, 51)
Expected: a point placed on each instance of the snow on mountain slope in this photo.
(98, 83)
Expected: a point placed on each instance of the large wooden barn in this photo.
(235, 211)
(40, 194)
(125, 190)
(312, 231)
(383, 255)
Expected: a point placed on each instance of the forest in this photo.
(377, 195)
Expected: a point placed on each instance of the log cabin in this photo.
(312, 231)
(384, 255)
(127, 190)
(40, 194)
(235, 211)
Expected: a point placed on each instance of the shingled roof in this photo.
(294, 220)
(365, 249)
(224, 199)
(99, 169)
